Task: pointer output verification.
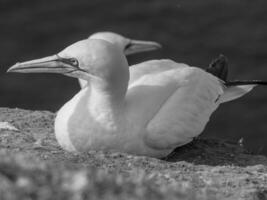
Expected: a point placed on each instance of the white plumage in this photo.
(149, 109)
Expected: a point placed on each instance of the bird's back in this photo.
(172, 101)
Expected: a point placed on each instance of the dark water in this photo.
(193, 32)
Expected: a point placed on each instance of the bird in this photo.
(128, 46)
(147, 109)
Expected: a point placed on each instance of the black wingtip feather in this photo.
(245, 82)
(219, 67)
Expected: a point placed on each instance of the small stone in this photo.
(7, 126)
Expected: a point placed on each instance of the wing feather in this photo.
(186, 112)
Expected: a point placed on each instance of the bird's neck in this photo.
(105, 103)
(112, 91)
(103, 99)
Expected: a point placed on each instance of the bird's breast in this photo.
(85, 123)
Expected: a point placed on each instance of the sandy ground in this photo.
(203, 169)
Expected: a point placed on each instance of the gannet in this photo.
(128, 46)
(148, 109)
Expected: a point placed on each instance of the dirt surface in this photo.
(203, 169)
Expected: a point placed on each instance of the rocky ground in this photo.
(204, 169)
(191, 32)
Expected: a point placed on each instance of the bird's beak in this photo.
(50, 64)
(136, 46)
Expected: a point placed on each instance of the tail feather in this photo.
(245, 82)
(236, 89)
(234, 92)
(232, 89)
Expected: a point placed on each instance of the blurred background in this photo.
(193, 32)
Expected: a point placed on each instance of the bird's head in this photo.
(128, 46)
(85, 59)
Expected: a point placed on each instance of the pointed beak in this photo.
(50, 64)
(136, 46)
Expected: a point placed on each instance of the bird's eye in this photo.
(127, 46)
(74, 62)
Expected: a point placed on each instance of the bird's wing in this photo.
(151, 83)
(152, 67)
(173, 102)
(219, 67)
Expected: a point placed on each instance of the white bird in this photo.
(128, 46)
(148, 109)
